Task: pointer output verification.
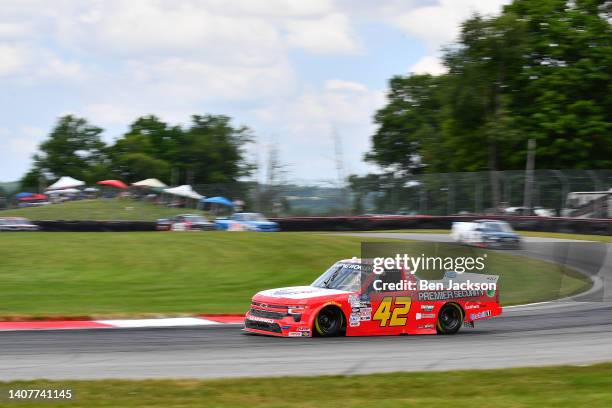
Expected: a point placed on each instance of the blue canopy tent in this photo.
(23, 195)
(215, 202)
(218, 200)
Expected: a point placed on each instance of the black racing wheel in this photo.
(450, 319)
(329, 322)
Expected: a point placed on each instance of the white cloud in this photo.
(238, 30)
(149, 29)
(307, 122)
(439, 24)
(274, 8)
(22, 141)
(337, 102)
(193, 80)
(429, 65)
(55, 68)
(114, 60)
(15, 30)
(109, 113)
(340, 85)
(30, 64)
(328, 34)
(12, 59)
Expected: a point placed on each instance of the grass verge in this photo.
(144, 274)
(566, 386)
(99, 210)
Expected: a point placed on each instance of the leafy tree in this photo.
(74, 148)
(539, 70)
(32, 179)
(146, 150)
(410, 120)
(211, 150)
(138, 166)
(565, 101)
(150, 135)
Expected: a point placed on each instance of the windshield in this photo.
(498, 227)
(251, 217)
(195, 218)
(341, 276)
(15, 221)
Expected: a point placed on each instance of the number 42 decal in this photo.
(391, 313)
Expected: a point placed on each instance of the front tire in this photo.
(329, 322)
(450, 319)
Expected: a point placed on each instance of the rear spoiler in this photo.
(473, 277)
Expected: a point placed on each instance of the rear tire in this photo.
(329, 322)
(450, 319)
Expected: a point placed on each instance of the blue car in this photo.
(247, 222)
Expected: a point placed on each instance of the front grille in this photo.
(268, 314)
(260, 304)
(265, 326)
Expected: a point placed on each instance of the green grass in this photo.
(121, 274)
(560, 387)
(99, 210)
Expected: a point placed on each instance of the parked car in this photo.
(17, 224)
(486, 233)
(185, 222)
(247, 222)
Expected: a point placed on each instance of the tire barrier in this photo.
(95, 226)
(588, 226)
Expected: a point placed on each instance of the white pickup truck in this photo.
(486, 233)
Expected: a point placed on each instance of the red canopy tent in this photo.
(113, 183)
(34, 197)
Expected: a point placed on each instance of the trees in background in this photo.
(74, 147)
(209, 150)
(541, 70)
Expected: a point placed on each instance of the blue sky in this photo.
(292, 70)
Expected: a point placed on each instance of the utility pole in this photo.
(531, 146)
(174, 177)
(42, 184)
(338, 158)
(340, 168)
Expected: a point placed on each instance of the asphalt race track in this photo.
(576, 331)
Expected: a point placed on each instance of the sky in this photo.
(294, 71)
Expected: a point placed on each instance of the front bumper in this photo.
(503, 244)
(283, 327)
(203, 227)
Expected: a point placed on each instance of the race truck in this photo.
(486, 234)
(350, 299)
(17, 224)
(247, 222)
(185, 222)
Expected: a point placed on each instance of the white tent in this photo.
(64, 191)
(183, 191)
(150, 182)
(65, 182)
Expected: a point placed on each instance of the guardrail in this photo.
(364, 223)
(95, 226)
